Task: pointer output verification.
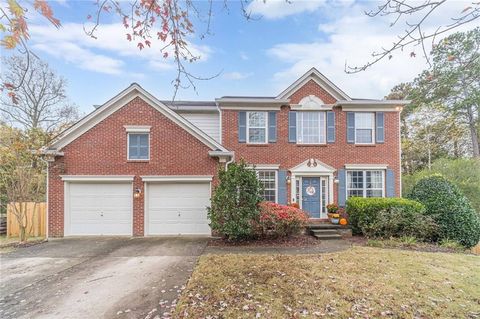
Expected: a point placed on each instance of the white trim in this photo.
(137, 128)
(97, 178)
(366, 166)
(324, 107)
(251, 108)
(265, 127)
(120, 100)
(374, 103)
(299, 176)
(369, 109)
(128, 148)
(299, 169)
(322, 80)
(265, 167)
(177, 178)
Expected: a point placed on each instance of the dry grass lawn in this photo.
(361, 282)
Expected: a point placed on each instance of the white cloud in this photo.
(244, 56)
(351, 39)
(105, 54)
(276, 9)
(236, 75)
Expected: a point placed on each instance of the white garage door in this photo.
(98, 209)
(178, 208)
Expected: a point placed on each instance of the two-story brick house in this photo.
(140, 166)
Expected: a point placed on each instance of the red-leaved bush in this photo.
(279, 220)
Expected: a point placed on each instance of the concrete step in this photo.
(323, 226)
(328, 237)
(323, 231)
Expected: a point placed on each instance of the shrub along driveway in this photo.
(96, 277)
(359, 282)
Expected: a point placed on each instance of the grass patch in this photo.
(360, 282)
(412, 243)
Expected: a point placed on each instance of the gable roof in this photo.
(315, 75)
(120, 100)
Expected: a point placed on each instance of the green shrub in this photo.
(451, 244)
(234, 211)
(450, 209)
(363, 211)
(462, 172)
(400, 222)
(280, 220)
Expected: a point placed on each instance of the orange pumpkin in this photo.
(343, 222)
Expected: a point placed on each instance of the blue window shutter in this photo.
(390, 183)
(282, 187)
(330, 127)
(272, 127)
(350, 127)
(292, 127)
(380, 124)
(242, 127)
(342, 189)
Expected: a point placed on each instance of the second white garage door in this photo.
(177, 208)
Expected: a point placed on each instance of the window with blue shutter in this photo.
(138, 146)
(272, 127)
(282, 187)
(380, 127)
(390, 183)
(351, 127)
(342, 190)
(330, 127)
(242, 127)
(292, 127)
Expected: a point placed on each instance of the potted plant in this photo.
(333, 213)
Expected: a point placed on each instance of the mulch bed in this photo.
(293, 241)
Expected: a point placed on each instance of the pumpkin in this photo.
(343, 221)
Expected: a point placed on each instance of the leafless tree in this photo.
(415, 35)
(39, 101)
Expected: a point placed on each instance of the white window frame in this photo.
(266, 127)
(128, 147)
(276, 180)
(364, 186)
(300, 128)
(373, 128)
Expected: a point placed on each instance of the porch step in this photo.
(323, 226)
(323, 231)
(327, 237)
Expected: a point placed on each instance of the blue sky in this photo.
(258, 57)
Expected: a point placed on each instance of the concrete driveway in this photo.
(97, 277)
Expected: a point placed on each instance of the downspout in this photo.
(232, 159)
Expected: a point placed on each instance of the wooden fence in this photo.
(35, 215)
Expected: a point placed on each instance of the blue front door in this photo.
(311, 196)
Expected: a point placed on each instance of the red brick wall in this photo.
(336, 155)
(103, 151)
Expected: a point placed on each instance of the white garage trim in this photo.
(178, 178)
(106, 179)
(97, 178)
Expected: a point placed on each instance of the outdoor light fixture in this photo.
(138, 193)
(288, 179)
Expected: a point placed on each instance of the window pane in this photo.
(257, 119)
(355, 193)
(374, 193)
(374, 179)
(364, 120)
(355, 179)
(138, 146)
(311, 127)
(267, 178)
(257, 135)
(364, 136)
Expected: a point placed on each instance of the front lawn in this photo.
(361, 282)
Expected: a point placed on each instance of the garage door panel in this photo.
(99, 209)
(178, 208)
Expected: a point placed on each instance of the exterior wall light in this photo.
(138, 193)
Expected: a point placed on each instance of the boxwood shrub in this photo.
(364, 212)
(451, 210)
